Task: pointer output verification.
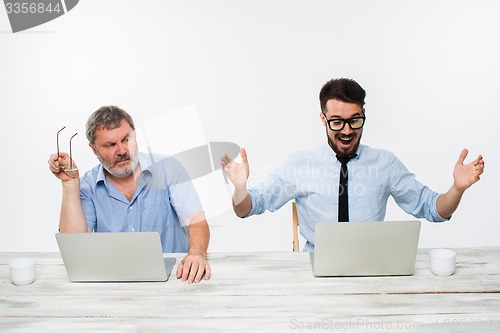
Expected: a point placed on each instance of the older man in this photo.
(128, 191)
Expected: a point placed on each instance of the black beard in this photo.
(340, 152)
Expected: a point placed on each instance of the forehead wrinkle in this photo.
(111, 137)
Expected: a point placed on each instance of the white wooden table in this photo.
(259, 292)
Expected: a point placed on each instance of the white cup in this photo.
(443, 261)
(22, 271)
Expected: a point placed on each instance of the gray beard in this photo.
(120, 173)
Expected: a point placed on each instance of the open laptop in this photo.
(114, 256)
(365, 248)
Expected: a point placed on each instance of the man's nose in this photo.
(347, 129)
(121, 148)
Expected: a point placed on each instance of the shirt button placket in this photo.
(130, 218)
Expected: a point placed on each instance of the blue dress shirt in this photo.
(163, 200)
(311, 178)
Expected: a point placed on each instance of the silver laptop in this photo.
(114, 256)
(365, 248)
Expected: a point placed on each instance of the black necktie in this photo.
(343, 198)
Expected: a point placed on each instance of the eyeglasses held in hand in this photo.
(70, 166)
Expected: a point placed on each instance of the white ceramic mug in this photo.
(443, 261)
(22, 271)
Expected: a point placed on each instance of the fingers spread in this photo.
(243, 154)
(462, 156)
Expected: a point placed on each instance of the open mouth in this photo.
(345, 140)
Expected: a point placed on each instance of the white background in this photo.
(253, 70)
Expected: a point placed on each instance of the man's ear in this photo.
(322, 117)
(92, 146)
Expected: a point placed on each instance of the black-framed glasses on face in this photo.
(70, 166)
(337, 124)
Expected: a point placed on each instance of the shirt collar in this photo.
(358, 152)
(333, 155)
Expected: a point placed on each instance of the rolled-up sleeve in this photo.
(411, 195)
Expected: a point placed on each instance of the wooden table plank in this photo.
(259, 292)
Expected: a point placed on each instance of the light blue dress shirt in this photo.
(163, 200)
(311, 178)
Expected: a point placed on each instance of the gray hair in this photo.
(106, 117)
